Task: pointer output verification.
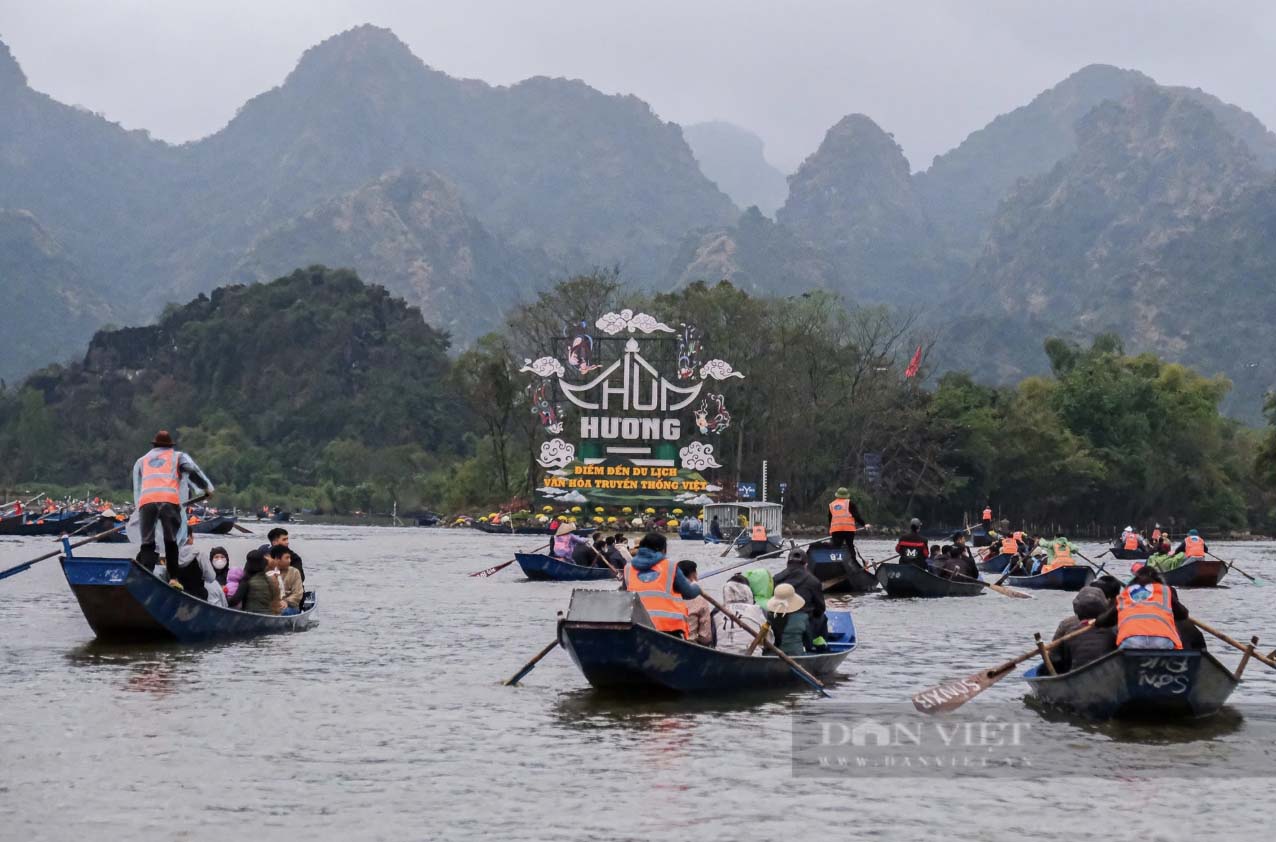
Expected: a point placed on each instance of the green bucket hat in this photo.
(842, 491)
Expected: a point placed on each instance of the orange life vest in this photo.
(1156, 536)
(1151, 616)
(1131, 541)
(758, 532)
(987, 514)
(1009, 546)
(1062, 558)
(161, 482)
(1193, 547)
(668, 610)
(842, 519)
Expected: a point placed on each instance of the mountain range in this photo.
(1107, 203)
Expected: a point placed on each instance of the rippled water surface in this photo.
(388, 720)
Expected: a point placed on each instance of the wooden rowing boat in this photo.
(830, 564)
(217, 525)
(1068, 578)
(1138, 683)
(122, 601)
(1122, 554)
(610, 638)
(906, 580)
(546, 568)
(995, 564)
(1199, 573)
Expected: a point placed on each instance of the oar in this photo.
(793, 665)
(1266, 659)
(1097, 570)
(242, 529)
(4, 574)
(496, 569)
(1001, 589)
(530, 665)
(951, 695)
(610, 566)
(24, 503)
(1231, 566)
(792, 547)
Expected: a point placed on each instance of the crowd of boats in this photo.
(611, 637)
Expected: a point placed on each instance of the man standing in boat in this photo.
(843, 518)
(159, 480)
(986, 518)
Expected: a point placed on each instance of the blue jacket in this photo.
(646, 559)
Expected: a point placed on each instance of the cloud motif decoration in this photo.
(697, 456)
(613, 323)
(718, 370)
(556, 453)
(544, 367)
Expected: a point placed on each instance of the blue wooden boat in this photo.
(216, 525)
(33, 524)
(907, 580)
(1122, 554)
(547, 568)
(1138, 683)
(610, 638)
(1069, 578)
(122, 601)
(1199, 573)
(996, 564)
(839, 573)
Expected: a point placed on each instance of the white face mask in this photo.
(219, 562)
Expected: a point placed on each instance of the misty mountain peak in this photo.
(11, 75)
(364, 51)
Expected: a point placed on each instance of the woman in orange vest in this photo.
(843, 518)
(660, 585)
(986, 518)
(1146, 614)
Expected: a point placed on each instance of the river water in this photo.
(388, 720)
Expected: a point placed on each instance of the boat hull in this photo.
(996, 564)
(1129, 555)
(1070, 578)
(123, 602)
(905, 580)
(53, 524)
(1201, 573)
(747, 550)
(624, 656)
(1140, 684)
(829, 564)
(545, 568)
(220, 525)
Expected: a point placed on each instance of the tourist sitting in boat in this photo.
(1145, 613)
(797, 574)
(278, 537)
(1109, 584)
(1058, 553)
(1192, 546)
(586, 553)
(220, 559)
(935, 556)
(959, 541)
(660, 585)
(789, 622)
(565, 542)
(1087, 605)
(257, 592)
(699, 611)
(620, 546)
(1131, 540)
(737, 597)
(911, 548)
(761, 583)
(291, 590)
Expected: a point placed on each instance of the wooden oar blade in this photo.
(951, 695)
(1002, 589)
(494, 569)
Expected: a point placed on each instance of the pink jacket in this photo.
(233, 578)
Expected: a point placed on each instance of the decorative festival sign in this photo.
(626, 421)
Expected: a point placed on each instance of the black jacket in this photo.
(807, 586)
(1082, 649)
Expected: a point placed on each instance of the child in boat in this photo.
(291, 589)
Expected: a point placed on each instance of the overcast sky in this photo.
(930, 72)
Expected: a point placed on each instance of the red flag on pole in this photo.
(914, 364)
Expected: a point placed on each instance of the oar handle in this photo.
(1045, 647)
(1231, 642)
(775, 650)
(610, 566)
(518, 676)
